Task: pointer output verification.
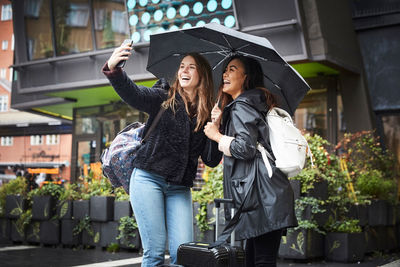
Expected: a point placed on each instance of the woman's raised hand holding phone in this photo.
(120, 55)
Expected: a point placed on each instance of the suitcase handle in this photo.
(218, 202)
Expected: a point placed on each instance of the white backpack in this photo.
(289, 146)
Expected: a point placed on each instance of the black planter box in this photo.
(122, 209)
(377, 213)
(391, 215)
(360, 213)
(95, 239)
(345, 247)
(296, 186)
(64, 209)
(375, 238)
(109, 233)
(50, 232)
(320, 190)
(16, 235)
(43, 208)
(196, 206)
(67, 233)
(391, 241)
(397, 214)
(15, 205)
(320, 218)
(131, 242)
(101, 208)
(80, 209)
(5, 230)
(302, 244)
(204, 237)
(33, 232)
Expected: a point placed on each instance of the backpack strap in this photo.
(265, 155)
(153, 124)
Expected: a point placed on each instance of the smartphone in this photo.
(121, 64)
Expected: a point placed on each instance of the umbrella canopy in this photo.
(217, 43)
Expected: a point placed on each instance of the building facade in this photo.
(29, 142)
(61, 46)
(377, 24)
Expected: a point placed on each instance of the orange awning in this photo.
(42, 170)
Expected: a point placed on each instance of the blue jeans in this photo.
(160, 208)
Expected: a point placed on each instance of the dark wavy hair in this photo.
(254, 79)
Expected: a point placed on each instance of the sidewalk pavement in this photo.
(38, 256)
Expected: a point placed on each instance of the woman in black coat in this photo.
(269, 207)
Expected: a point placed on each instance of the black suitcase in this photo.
(195, 254)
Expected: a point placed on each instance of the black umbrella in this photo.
(217, 43)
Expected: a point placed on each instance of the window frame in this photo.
(4, 45)
(36, 140)
(52, 139)
(3, 103)
(7, 141)
(6, 12)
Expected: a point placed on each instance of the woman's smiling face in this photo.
(233, 78)
(188, 75)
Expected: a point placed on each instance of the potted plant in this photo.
(4, 231)
(306, 241)
(13, 198)
(373, 184)
(374, 172)
(344, 241)
(128, 234)
(65, 201)
(44, 201)
(33, 232)
(101, 200)
(12, 204)
(81, 206)
(90, 232)
(50, 232)
(203, 204)
(122, 205)
(19, 226)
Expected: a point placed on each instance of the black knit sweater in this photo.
(173, 148)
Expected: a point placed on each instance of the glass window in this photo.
(6, 141)
(36, 140)
(341, 125)
(86, 155)
(311, 114)
(72, 26)
(111, 23)
(6, 12)
(38, 29)
(52, 139)
(3, 73)
(85, 120)
(4, 45)
(3, 103)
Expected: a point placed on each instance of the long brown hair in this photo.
(203, 102)
(254, 79)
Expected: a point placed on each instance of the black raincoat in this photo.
(271, 203)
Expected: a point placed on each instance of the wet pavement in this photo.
(32, 256)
